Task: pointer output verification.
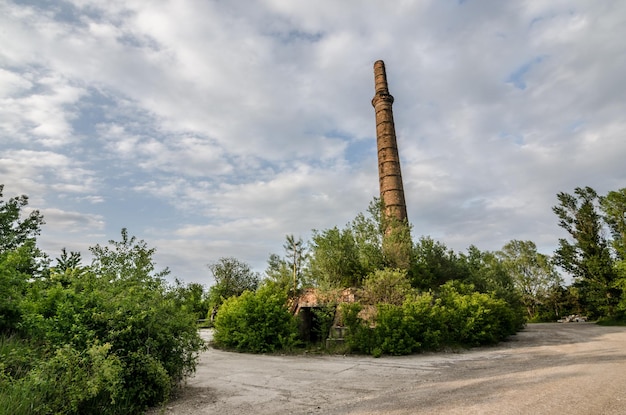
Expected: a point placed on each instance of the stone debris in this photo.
(574, 318)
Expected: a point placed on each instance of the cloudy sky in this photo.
(214, 128)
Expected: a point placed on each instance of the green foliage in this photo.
(434, 264)
(20, 259)
(256, 322)
(368, 236)
(13, 285)
(533, 274)
(613, 206)
(278, 273)
(232, 278)
(126, 260)
(474, 318)
(192, 298)
(457, 316)
(487, 274)
(388, 286)
(15, 231)
(335, 259)
(397, 243)
(587, 256)
(359, 337)
(106, 339)
(75, 382)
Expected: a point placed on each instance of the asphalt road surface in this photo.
(570, 368)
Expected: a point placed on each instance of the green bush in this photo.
(425, 322)
(156, 341)
(256, 322)
(106, 339)
(474, 318)
(388, 285)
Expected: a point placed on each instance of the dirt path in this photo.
(573, 368)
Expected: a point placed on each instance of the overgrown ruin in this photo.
(396, 240)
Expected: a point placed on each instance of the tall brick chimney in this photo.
(390, 177)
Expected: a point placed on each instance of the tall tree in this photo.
(232, 278)
(296, 255)
(278, 273)
(128, 259)
(533, 273)
(67, 262)
(334, 258)
(487, 274)
(368, 235)
(434, 264)
(587, 257)
(613, 206)
(15, 230)
(20, 259)
(192, 297)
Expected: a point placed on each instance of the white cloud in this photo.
(71, 222)
(37, 107)
(44, 173)
(231, 124)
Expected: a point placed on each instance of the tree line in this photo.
(528, 284)
(131, 337)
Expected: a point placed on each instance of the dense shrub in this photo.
(386, 286)
(425, 322)
(155, 341)
(473, 318)
(106, 339)
(256, 322)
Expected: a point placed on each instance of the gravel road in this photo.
(571, 368)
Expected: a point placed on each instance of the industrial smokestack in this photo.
(390, 176)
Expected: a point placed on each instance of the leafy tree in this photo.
(368, 236)
(334, 259)
(587, 256)
(67, 262)
(613, 206)
(67, 268)
(486, 273)
(533, 273)
(13, 286)
(389, 286)
(20, 259)
(397, 243)
(15, 231)
(193, 298)
(434, 264)
(128, 259)
(232, 278)
(278, 273)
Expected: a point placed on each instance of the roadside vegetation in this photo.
(111, 337)
(114, 337)
(438, 298)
